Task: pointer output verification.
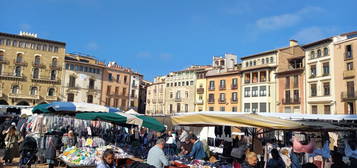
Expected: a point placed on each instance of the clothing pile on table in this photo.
(74, 156)
(200, 163)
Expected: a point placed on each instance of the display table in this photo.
(177, 165)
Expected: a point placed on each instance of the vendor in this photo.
(107, 159)
(69, 140)
(186, 147)
(197, 151)
(156, 156)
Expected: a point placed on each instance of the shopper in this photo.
(186, 147)
(295, 160)
(276, 161)
(337, 161)
(170, 144)
(251, 160)
(12, 141)
(285, 157)
(156, 156)
(197, 151)
(107, 159)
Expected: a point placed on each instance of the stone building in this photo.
(115, 86)
(155, 97)
(134, 89)
(82, 79)
(142, 95)
(30, 69)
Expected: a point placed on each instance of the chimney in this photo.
(293, 43)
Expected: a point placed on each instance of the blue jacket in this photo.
(197, 151)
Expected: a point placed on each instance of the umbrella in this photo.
(124, 118)
(72, 107)
(41, 108)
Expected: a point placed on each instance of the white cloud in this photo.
(92, 46)
(311, 34)
(165, 56)
(286, 20)
(25, 27)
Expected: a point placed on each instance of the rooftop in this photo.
(33, 38)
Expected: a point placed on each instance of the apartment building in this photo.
(82, 79)
(30, 69)
(134, 88)
(259, 82)
(115, 86)
(345, 63)
(290, 76)
(201, 91)
(155, 97)
(143, 87)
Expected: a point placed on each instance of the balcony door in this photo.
(350, 89)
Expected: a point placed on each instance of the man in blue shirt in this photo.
(197, 151)
(156, 156)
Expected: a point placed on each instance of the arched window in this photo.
(222, 62)
(37, 60)
(18, 71)
(54, 62)
(33, 91)
(90, 99)
(70, 97)
(53, 75)
(326, 51)
(36, 73)
(51, 92)
(312, 54)
(19, 58)
(318, 53)
(15, 89)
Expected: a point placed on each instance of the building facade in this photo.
(82, 79)
(115, 86)
(30, 69)
(290, 76)
(142, 95)
(201, 91)
(155, 97)
(134, 89)
(259, 82)
(320, 84)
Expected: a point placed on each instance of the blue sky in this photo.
(155, 37)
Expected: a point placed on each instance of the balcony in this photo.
(234, 87)
(348, 74)
(348, 96)
(20, 63)
(51, 98)
(12, 76)
(134, 86)
(234, 101)
(210, 101)
(221, 101)
(55, 67)
(23, 96)
(200, 90)
(38, 65)
(178, 99)
(291, 101)
(199, 102)
(211, 88)
(222, 87)
(3, 61)
(46, 79)
(133, 96)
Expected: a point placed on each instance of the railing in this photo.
(222, 87)
(349, 95)
(210, 101)
(348, 74)
(45, 79)
(38, 65)
(221, 101)
(291, 101)
(234, 87)
(178, 99)
(20, 63)
(11, 76)
(199, 102)
(234, 101)
(211, 88)
(3, 61)
(51, 97)
(17, 95)
(200, 90)
(55, 67)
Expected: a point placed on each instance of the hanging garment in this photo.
(218, 131)
(324, 151)
(227, 131)
(333, 139)
(349, 152)
(300, 148)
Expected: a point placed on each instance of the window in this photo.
(187, 83)
(254, 107)
(107, 101)
(116, 103)
(326, 69)
(326, 51)
(171, 95)
(70, 97)
(263, 90)
(35, 74)
(296, 81)
(327, 89)
(263, 107)
(327, 109)
(8, 42)
(255, 91)
(90, 99)
(254, 63)
(71, 67)
(246, 107)
(33, 91)
(171, 108)
(55, 49)
(124, 91)
(314, 109)
(234, 109)
(287, 82)
(186, 94)
(211, 85)
(178, 95)
(91, 83)
(271, 60)
(53, 75)
(211, 108)
(14, 43)
(247, 78)
(222, 108)
(125, 79)
(263, 76)
(287, 97)
(109, 89)
(110, 76)
(191, 83)
(267, 60)
(234, 83)
(318, 53)
(312, 54)
(234, 96)
(296, 96)
(348, 52)
(211, 98)
(287, 109)
(0, 69)
(18, 71)
(123, 103)
(349, 66)
(246, 64)
(247, 92)
(19, 58)
(178, 107)
(116, 90)
(85, 69)
(250, 63)
(72, 81)
(38, 47)
(222, 84)
(51, 92)
(186, 107)
(1, 55)
(222, 97)
(263, 61)
(54, 63)
(183, 83)
(312, 71)
(44, 47)
(37, 60)
(313, 90)
(15, 89)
